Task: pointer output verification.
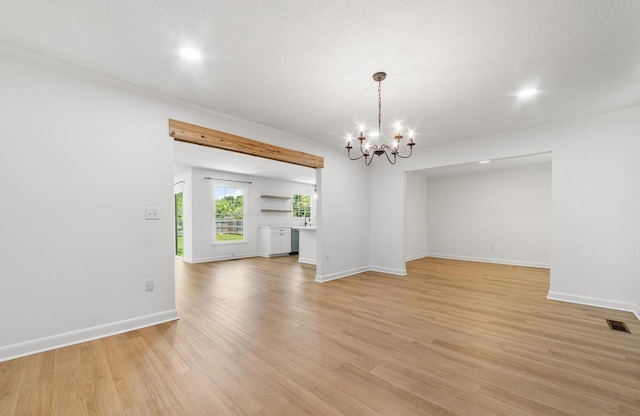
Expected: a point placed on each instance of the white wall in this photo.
(81, 156)
(498, 216)
(415, 228)
(387, 202)
(595, 225)
(343, 218)
(200, 226)
(80, 160)
(596, 206)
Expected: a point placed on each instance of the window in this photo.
(301, 206)
(178, 198)
(179, 230)
(229, 213)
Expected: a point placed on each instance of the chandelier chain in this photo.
(379, 105)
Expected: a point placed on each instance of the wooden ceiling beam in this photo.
(190, 133)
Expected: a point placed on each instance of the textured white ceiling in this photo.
(305, 66)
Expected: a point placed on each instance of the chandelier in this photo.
(392, 151)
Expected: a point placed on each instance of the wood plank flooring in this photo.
(260, 337)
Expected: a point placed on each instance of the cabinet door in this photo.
(275, 243)
(264, 242)
(286, 243)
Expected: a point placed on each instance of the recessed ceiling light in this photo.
(528, 92)
(190, 53)
(485, 161)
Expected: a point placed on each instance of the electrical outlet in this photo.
(327, 257)
(148, 285)
(151, 213)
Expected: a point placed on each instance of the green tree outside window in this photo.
(230, 209)
(301, 206)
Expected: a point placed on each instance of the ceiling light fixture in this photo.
(528, 93)
(390, 151)
(190, 53)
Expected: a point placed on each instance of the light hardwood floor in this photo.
(260, 337)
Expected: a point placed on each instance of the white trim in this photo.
(489, 260)
(347, 273)
(398, 272)
(340, 275)
(636, 312)
(598, 302)
(227, 242)
(218, 258)
(35, 346)
(306, 260)
(416, 257)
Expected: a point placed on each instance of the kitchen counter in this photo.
(274, 241)
(307, 245)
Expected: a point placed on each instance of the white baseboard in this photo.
(598, 302)
(347, 273)
(490, 260)
(340, 275)
(35, 346)
(416, 257)
(218, 258)
(398, 272)
(306, 261)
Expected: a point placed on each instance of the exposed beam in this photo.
(190, 133)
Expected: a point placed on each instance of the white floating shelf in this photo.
(275, 197)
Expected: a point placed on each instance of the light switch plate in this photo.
(151, 213)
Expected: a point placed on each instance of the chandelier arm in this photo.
(368, 160)
(354, 158)
(393, 162)
(369, 152)
(407, 156)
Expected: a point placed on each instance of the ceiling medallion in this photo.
(392, 151)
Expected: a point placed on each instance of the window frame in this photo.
(295, 209)
(236, 186)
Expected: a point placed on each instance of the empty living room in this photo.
(320, 208)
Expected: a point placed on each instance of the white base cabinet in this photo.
(274, 241)
(307, 248)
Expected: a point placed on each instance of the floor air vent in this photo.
(618, 326)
